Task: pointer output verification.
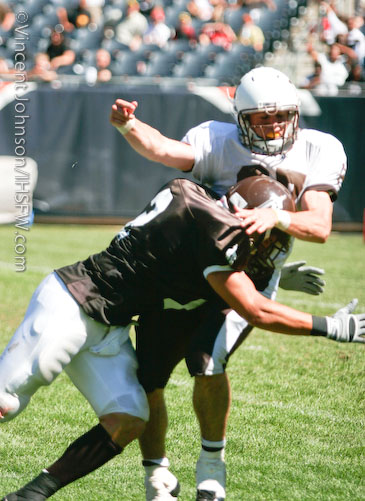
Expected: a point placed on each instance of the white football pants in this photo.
(231, 330)
(56, 334)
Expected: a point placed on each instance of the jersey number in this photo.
(157, 205)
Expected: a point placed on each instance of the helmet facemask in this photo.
(262, 138)
(266, 249)
(266, 90)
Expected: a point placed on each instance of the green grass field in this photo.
(296, 430)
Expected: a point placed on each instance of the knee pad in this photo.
(133, 402)
(53, 359)
(40, 371)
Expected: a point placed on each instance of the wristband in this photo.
(123, 129)
(283, 219)
(319, 326)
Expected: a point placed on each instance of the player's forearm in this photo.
(308, 226)
(151, 144)
(314, 222)
(148, 141)
(277, 317)
(239, 292)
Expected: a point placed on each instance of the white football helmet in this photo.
(267, 90)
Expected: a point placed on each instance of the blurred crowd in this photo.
(339, 58)
(100, 39)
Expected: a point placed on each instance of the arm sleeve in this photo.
(328, 165)
(214, 268)
(200, 139)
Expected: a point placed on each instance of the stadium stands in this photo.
(180, 58)
(192, 65)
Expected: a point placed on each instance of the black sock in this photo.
(86, 454)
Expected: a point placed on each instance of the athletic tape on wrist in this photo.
(283, 219)
(123, 129)
(319, 326)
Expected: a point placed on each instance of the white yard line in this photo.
(11, 266)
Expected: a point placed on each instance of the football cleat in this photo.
(14, 497)
(210, 479)
(207, 496)
(160, 484)
(38, 489)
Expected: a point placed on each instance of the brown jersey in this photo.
(160, 255)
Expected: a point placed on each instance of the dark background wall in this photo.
(344, 118)
(87, 169)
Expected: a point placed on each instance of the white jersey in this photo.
(316, 161)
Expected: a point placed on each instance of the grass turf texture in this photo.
(296, 430)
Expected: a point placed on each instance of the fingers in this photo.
(314, 285)
(130, 105)
(254, 226)
(242, 213)
(122, 111)
(313, 289)
(359, 336)
(312, 271)
(125, 107)
(256, 220)
(295, 265)
(313, 279)
(351, 306)
(312, 292)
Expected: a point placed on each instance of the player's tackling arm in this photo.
(149, 142)
(313, 223)
(240, 293)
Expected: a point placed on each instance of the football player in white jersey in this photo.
(266, 138)
(185, 248)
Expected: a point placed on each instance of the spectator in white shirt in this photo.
(356, 39)
(158, 33)
(333, 69)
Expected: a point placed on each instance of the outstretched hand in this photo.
(346, 327)
(298, 277)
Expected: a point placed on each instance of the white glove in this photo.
(297, 277)
(345, 327)
(346, 310)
